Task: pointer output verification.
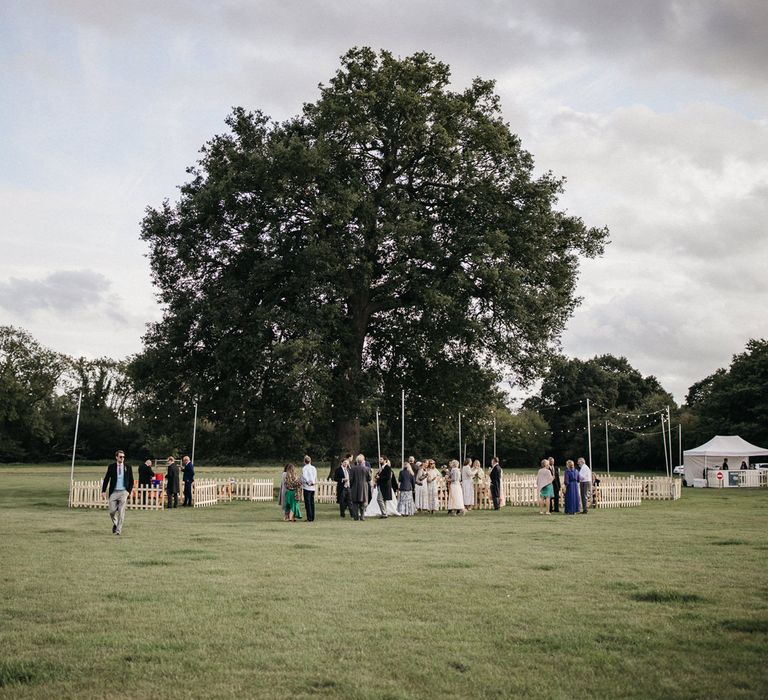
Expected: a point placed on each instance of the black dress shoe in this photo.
(114, 529)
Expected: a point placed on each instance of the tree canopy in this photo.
(734, 401)
(392, 235)
(38, 401)
(619, 394)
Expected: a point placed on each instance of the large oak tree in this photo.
(391, 235)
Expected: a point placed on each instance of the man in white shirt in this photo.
(309, 483)
(585, 484)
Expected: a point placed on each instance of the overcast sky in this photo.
(654, 111)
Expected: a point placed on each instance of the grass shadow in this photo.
(726, 543)
(666, 596)
(19, 673)
(150, 562)
(745, 625)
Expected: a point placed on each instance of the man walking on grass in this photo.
(118, 481)
(585, 484)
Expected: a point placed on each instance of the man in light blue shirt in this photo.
(309, 484)
(117, 485)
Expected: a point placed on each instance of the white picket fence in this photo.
(656, 488)
(205, 492)
(518, 490)
(246, 489)
(87, 494)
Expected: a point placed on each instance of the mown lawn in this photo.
(668, 600)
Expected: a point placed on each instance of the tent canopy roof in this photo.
(727, 446)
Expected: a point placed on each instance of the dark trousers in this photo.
(187, 493)
(345, 503)
(173, 498)
(309, 505)
(584, 489)
(357, 509)
(554, 503)
(495, 498)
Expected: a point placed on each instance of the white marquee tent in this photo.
(711, 454)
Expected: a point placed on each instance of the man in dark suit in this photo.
(189, 479)
(172, 483)
(495, 483)
(146, 474)
(118, 483)
(341, 477)
(359, 482)
(554, 503)
(145, 478)
(384, 484)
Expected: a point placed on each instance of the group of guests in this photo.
(147, 477)
(364, 494)
(290, 484)
(578, 482)
(118, 483)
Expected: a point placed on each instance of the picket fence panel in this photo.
(655, 488)
(205, 492)
(87, 494)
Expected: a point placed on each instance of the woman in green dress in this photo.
(291, 510)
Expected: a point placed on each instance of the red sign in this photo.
(719, 476)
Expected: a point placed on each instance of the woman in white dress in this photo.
(469, 472)
(420, 490)
(373, 511)
(432, 481)
(455, 493)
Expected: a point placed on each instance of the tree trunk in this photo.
(348, 436)
(347, 440)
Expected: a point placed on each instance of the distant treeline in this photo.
(39, 390)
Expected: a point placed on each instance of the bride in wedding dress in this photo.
(373, 510)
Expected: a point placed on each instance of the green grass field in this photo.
(668, 600)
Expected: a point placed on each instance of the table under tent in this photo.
(704, 464)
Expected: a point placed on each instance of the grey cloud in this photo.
(691, 184)
(704, 37)
(711, 37)
(673, 319)
(62, 292)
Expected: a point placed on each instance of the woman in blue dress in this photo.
(571, 489)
